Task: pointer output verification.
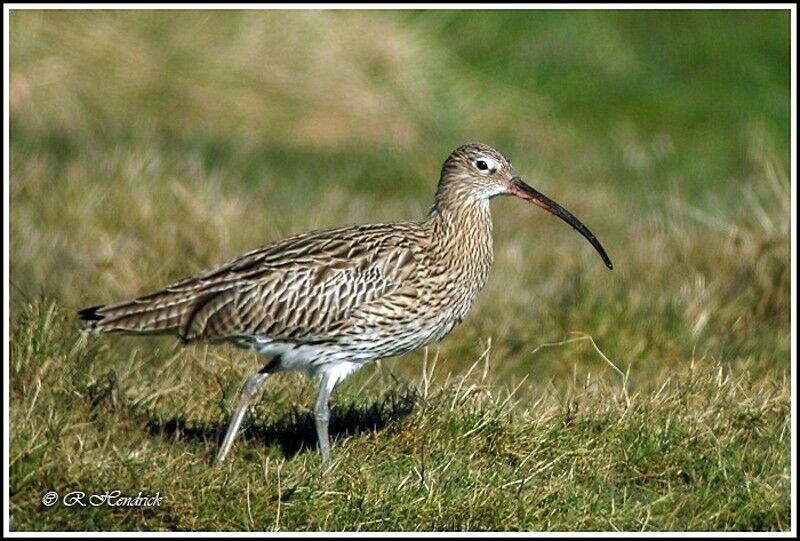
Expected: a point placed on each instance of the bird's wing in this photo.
(298, 289)
(301, 288)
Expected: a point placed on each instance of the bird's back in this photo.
(304, 288)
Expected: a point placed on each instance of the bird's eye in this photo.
(482, 165)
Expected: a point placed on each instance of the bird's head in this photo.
(475, 173)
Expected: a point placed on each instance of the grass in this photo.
(147, 146)
(704, 450)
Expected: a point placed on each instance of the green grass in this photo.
(147, 146)
(704, 450)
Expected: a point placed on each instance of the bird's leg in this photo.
(322, 415)
(246, 399)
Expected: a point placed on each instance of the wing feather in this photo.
(303, 289)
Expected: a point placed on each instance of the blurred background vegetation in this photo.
(149, 145)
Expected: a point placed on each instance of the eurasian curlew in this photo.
(329, 302)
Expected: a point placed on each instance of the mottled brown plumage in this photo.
(328, 302)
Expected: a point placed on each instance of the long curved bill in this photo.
(522, 190)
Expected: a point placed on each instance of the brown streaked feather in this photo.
(295, 288)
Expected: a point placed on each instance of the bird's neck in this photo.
(462, 230)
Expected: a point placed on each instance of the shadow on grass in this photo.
(294, 431)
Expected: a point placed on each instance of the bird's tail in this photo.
(160, 313)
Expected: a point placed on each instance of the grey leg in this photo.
(322, 415)
(246, 399)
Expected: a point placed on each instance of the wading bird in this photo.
(329, 302)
